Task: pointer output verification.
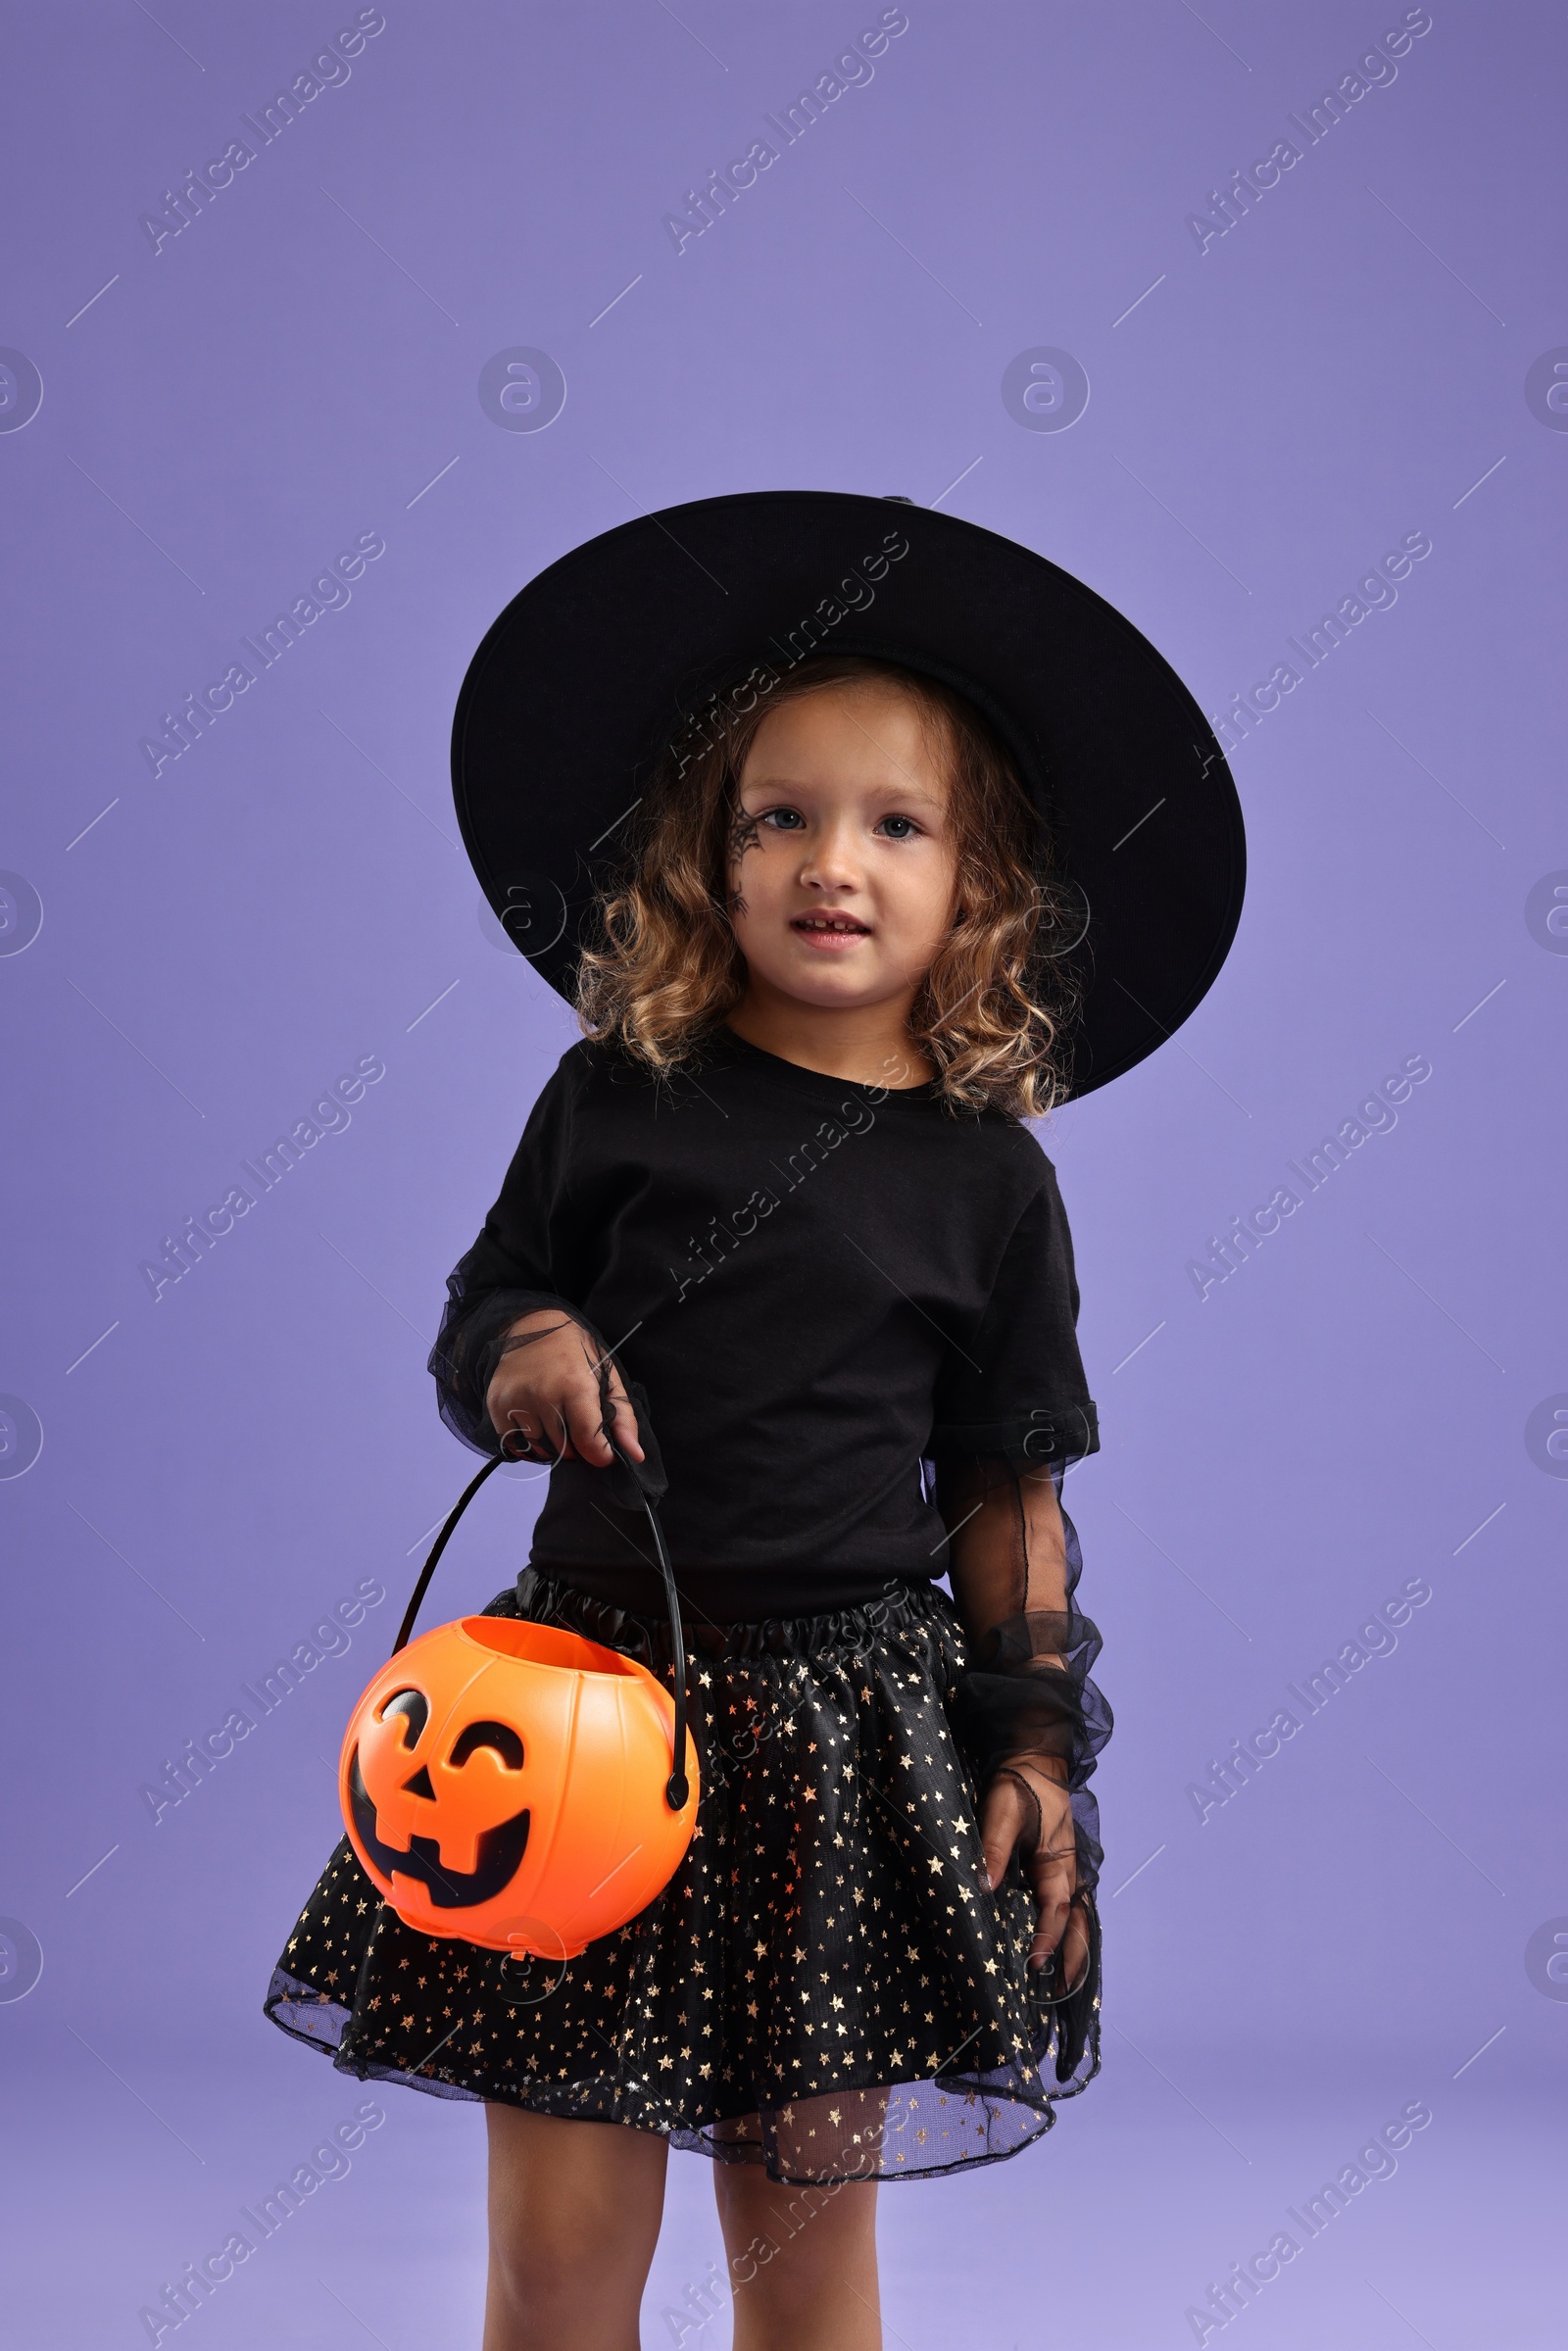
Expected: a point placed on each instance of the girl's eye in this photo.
(898, 828)
(783, 821)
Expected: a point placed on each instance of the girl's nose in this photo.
(830, 863)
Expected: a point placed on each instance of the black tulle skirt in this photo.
(828, 1984)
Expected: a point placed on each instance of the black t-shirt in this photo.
(820, 1285)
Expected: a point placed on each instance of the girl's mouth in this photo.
(829, 934)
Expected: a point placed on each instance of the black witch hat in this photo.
(644, 635)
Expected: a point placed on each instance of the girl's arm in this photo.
(1026, 1708)
(506, 1290)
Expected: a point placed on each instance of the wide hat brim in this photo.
(599, 662)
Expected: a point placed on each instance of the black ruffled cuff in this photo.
(1012, 1704)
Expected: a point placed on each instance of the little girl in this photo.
(783, 1192)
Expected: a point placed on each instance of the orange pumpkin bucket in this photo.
(515, 1785)
(505, 1782)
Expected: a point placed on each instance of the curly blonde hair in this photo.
(995, 1009)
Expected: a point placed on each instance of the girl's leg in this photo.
(802, 2262)
(574, 2212)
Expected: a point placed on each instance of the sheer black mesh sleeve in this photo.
(1014, 1564)
(1025, 1699)
(508, 1272)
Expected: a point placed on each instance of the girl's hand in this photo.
(549, 1391)
(1025, 1807)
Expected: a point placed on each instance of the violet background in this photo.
(300, 366)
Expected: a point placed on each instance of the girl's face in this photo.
(843, 867)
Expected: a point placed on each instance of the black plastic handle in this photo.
(677, 1788)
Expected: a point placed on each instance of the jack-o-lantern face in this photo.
(505, 1782)
(474, 1842)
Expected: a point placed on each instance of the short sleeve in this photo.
(1016, 1386)
(508, 1272)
